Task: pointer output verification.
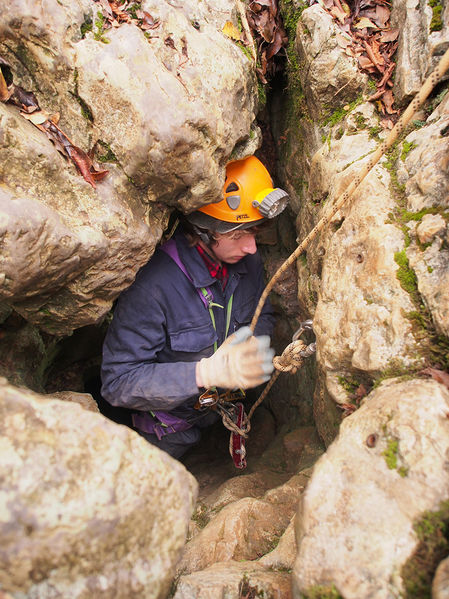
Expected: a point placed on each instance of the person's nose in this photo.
(249, 244)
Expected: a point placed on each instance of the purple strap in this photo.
(159, 423)
(170, 248)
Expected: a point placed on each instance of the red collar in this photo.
(216, 270)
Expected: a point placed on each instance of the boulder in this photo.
(328, 76)
(420, 44)
(385, 469)
(164, 109)
(440, 585)
(234, 580)
(88, 508)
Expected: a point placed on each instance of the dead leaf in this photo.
(388, 100)
(343, 41)
(26, 101)
(365, 62)
(360, 392)
(338, 13)
(363, 23)
(256, 6)
(37, 118)
(5, 93)
(390, 35)
(438, 375)
(231, 31)
(276, 45)
(382, 15)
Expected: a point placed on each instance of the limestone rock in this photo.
(85, 400)
(440, 585)
(424, 169)
(233, 581)
(245, 529)
(328, 75)
(165, 111)
(432, 272)
(89, 508)
(283, 556)
(67, 249)
(419, 47)
(431, 225)
(387, 466)
(359, 320)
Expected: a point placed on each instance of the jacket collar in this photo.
(196, 267)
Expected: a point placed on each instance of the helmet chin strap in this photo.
(206, 241)
(203, 235)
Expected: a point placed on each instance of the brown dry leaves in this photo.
(30, 110)
(367, 36)
(441, 376)
(270, 37)
(122, 11)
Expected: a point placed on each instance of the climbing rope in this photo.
(294, 354)
(292, 359)
(417, 101)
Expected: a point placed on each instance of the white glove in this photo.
(241, 362)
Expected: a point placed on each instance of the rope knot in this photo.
(290, 360)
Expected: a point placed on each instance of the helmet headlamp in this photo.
(271, 202)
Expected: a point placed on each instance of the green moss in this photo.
(99, 24)
(86, 27)
(245, 49)
(291, 12)
(372, 85)
(349, 384)
(262, 94)
(407, 146)
(360, 121)
(133, 8)
(333, 117)
(406, 276)
(109, 155)
(395, 369)
(373, 132)
(85, 109)
(429, 269)
(200, 516)
(433, 346)
(432, 530)
(391, 454)
(406, 216)
(322, 592)
(392, 156)
(436, 24)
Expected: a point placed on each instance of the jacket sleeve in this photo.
(131, 375)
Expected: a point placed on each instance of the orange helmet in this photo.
(248, 199)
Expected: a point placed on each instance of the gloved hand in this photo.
(242, 361)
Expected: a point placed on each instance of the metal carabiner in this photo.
(306, 325)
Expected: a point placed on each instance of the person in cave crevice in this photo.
(182, 327)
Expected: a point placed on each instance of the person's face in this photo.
(232, 247)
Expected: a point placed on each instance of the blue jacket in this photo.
(161, 328)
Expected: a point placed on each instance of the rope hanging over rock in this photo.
(417, 101)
